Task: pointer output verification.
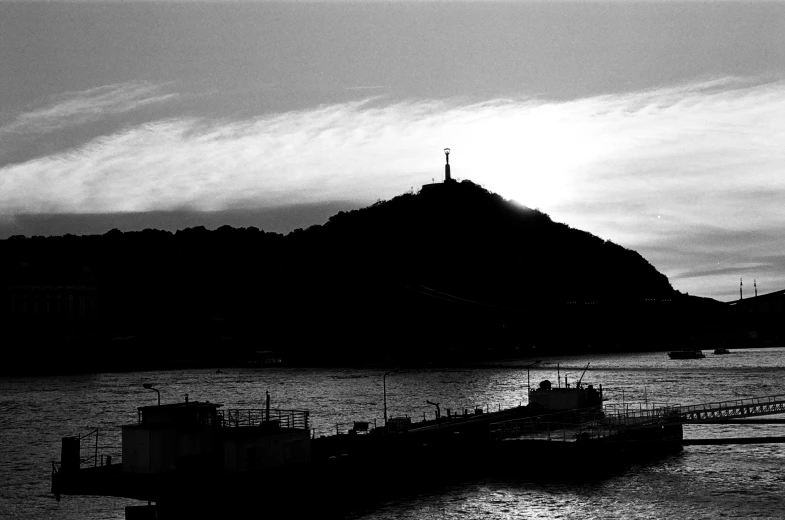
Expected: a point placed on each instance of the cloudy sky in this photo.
(658, 125)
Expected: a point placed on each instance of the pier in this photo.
(655, 424)
(176, 454)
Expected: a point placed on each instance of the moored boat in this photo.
(719, 351)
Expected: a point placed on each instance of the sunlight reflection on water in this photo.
(701, 482)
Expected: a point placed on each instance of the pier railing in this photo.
(706, 412)
(97, 447)
(767, 405)
(584, 424)
(642, 417)
(538, 429)
(605, 424)
(248, 417)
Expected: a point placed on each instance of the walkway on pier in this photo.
(604, 424)
(698, 413)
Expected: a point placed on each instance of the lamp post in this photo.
(148, 386)
(528, 378)
(384, 389)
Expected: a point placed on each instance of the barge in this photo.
(197, 459)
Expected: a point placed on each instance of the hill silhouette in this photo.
(467, 240)
(449, 272)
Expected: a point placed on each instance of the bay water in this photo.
(731, 481)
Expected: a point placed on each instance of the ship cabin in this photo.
(198, 436)
(569, 398)
(171, 436)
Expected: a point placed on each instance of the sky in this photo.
(657, 125)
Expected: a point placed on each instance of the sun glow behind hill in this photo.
(676, 173)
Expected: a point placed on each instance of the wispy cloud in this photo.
(76, 108)
(694, 182)
(679, 174)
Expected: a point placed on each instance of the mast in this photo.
(584, 373)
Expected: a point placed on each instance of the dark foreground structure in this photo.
(195, 459)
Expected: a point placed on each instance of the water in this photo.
(743, 481)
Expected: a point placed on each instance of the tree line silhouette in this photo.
(434, 276)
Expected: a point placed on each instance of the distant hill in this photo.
(465, 240)
(449, 272)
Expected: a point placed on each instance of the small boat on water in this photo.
(686, 354)
(719, 351)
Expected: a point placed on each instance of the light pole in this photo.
(384, 389)
(149, 386)
(528, 378)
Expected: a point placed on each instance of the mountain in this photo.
(452, 271)
(458, 267)
(465, 240)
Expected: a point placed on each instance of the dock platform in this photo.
(632, 424)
